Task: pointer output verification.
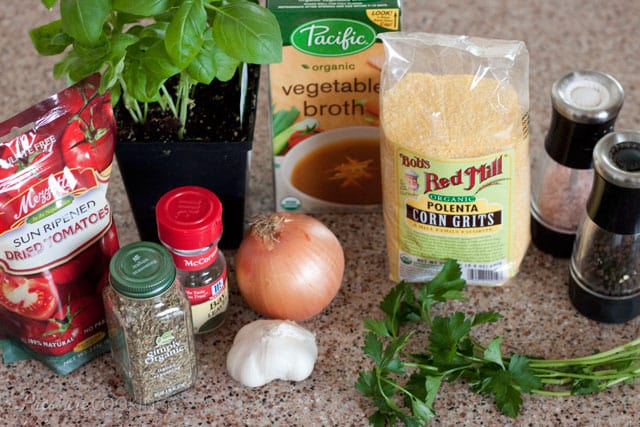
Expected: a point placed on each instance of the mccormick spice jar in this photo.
(190, 225)
(149, 323)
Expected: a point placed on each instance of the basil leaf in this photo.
(49, 3)
(76, 67)
(122, 20)
(83, 20)
(227, 66)
(156, 62)
(97, 53)
(110, 77)
(139, 84)
(119, 44)
(142, 8)
(211, 62)
(155, 31)
(248, 32)
(116, 94)
(203, 67)
(49, 39)
(60, 68)
(184, 34)
(116, 59)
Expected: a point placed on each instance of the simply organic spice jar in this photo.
(149, 322)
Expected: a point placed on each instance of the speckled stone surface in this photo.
(539, 319)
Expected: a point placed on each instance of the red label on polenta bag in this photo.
(56, 229)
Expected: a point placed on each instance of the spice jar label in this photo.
(455, 208)
(208, 302)
(196, 261)
(214, 290)
(166, 347)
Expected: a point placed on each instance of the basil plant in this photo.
(137, 46)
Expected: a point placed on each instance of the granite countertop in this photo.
(539, 319)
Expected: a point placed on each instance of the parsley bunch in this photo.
(404, 385)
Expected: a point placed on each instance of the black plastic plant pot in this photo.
(215, 155)
(151, 169)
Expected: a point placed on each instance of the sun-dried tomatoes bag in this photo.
(56, 229)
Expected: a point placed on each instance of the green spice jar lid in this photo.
(141, 270)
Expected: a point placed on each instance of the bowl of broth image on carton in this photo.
(333, 170)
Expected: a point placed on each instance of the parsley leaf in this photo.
(522, 374)
(446, 334)
(493, 352)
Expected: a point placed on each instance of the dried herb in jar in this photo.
(149, 321)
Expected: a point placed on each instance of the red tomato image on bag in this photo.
(56, 229)
(31, 297)
(81, 322)
(88, 141)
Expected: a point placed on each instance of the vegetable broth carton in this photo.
(324, 103)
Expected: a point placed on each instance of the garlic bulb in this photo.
(266, 350)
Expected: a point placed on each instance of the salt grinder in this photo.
(604, 272)
(585, 107)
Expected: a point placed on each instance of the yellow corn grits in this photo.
(454, 117)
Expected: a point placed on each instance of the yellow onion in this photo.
(289, 266)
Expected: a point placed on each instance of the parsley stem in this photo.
(633, 375)
(421, 367)
(564, 393)
(567, 377)
(395, 385)
(630, 348)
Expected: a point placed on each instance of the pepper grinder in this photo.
(585, 107)
(604, 272)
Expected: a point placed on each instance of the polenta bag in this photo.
(455, 155)
(56, 229)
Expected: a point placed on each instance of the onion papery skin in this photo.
(291, 272)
